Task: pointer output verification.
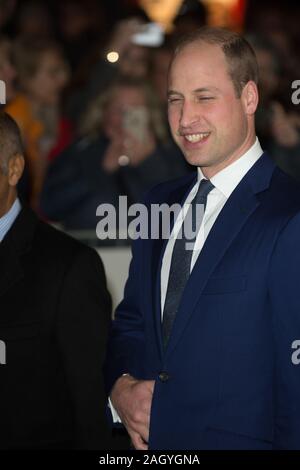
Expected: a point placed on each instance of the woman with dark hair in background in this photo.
(42, 76)
(7, 69)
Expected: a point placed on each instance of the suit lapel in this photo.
(237, 210)
(157, 249)
(16, 242)
(11, 271)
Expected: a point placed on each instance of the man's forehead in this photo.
(199, 51)
(196, 59)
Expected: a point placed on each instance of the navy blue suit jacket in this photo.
(230, 381)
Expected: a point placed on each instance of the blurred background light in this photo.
(112, 57)
(228, 13)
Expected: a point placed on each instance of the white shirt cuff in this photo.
(115, 416)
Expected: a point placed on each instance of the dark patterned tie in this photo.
(181, 259)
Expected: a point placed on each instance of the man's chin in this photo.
(196, 160)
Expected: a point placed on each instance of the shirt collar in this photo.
(228, 178)
(8, 219)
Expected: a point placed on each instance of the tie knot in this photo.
(204, 189)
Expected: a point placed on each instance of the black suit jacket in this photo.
(54, 311)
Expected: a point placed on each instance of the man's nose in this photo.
(189, 115)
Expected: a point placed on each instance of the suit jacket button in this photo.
(164, 376)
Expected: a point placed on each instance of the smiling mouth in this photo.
(194, 138)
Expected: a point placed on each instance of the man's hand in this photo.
(136, 150)
(132, 400)
(124, 144)
(112, 154)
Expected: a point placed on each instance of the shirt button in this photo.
(164, 376)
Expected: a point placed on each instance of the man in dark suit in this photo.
(202, 349)
(54, 311)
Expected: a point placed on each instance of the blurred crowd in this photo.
(96, 128)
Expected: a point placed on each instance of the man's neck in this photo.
(211, 171)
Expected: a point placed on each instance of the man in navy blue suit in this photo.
(202, 351)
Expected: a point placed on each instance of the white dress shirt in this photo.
(8, 219)
(224, 184)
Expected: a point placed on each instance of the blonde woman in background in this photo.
(124, 150)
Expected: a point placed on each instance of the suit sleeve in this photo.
(284, 290)
(83, 316)
(126, 340)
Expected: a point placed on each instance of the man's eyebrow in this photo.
(198, 90)
(205, 89)
(174, 92)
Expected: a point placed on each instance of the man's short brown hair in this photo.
(10, 140)
(240, 57)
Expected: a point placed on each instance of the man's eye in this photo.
(205, 98)
(174, 100)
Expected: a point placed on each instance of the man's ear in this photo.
(15, 169)
(250, 97)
